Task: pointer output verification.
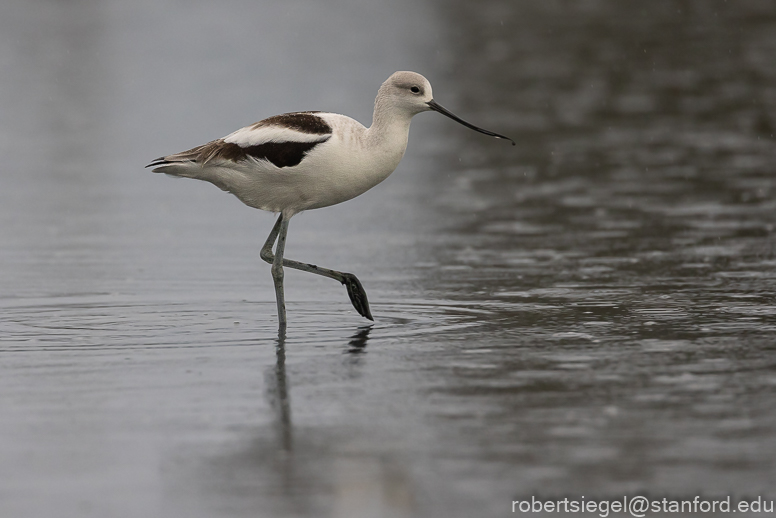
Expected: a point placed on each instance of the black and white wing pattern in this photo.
(283, 140)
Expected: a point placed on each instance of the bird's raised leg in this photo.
(355, 290)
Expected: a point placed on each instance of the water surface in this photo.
(589, 313)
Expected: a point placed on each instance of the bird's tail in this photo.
(158, 163)
(179, 164)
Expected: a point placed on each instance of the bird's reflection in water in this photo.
(358, 341)
(277, 384)
(355, 484)
(277, 391)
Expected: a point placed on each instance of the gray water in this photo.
(590, 313)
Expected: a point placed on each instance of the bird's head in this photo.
(411, 93)
(407, 91)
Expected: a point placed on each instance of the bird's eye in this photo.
(415, 90)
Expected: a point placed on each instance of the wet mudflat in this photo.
(589, 313)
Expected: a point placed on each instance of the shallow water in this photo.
(589, 313)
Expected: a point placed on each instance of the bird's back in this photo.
(287, 163)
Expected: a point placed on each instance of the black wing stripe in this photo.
(281, 154)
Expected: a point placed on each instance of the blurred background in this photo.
(588, 313)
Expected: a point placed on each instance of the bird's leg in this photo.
(277, 274)
(356, 292)
(266, 250)
(279, 232)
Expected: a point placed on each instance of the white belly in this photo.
(334, 171)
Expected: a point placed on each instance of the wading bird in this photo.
(307, 160)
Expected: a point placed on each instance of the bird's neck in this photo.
(390, 127)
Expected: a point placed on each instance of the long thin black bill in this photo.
(444, 111)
